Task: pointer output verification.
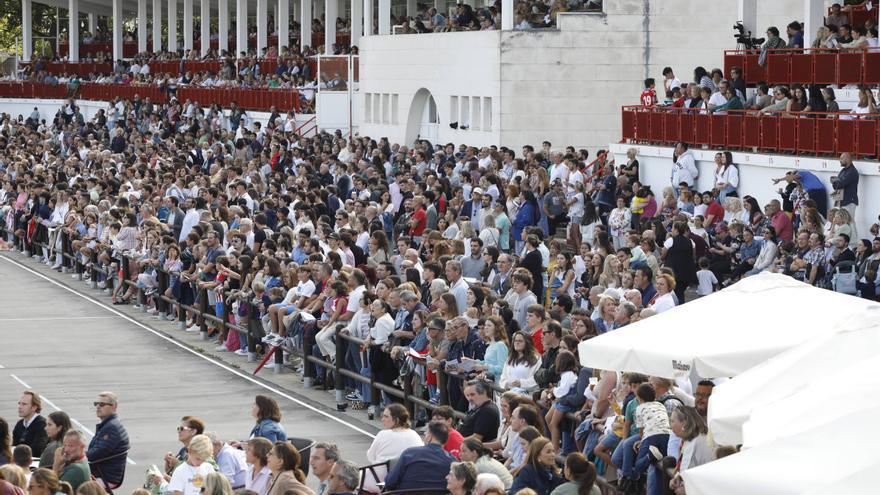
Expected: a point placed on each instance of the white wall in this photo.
(756, 172)
(464, 64)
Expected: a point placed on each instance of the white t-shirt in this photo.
(706, 282)
(189, 480)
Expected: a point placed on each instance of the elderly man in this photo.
(108, 448)
(344, 478)
(70, 461)
(231, 461)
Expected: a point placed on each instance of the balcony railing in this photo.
(83, 69)
(800, 134)
(807, 66)
(250, 99)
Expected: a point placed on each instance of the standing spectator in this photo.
(108, 449)
(670, 82)
(31, 428)
(774, 42)
(648, 97)
(846, 187)
(679, 254)
(795, 35)
(684, 167)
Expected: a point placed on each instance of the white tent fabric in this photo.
(821, 460)
(723, 334)
(733, 402)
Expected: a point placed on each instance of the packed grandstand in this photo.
(440, 289)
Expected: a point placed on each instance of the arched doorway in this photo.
(423, 121)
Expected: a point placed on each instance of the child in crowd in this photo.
(649, 95)
(653, 422)
(707, 282)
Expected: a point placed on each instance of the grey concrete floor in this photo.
(68, 342)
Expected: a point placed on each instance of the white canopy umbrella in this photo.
(821, 460)
(793, 371)
(723, 334)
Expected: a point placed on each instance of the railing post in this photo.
(94, 262)
(278, 365)
(253, 316)
(181, 314)
(161, 305)
(308, 366)
(65, 250)
(441, 387)
(224, 326)
(408, 403)
(339, 380)
(203, 310)
(126, 274)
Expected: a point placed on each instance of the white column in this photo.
(814, 11)
(188, 24)
(157, 26)
(411, 8)
(506, 14)
(440, 5)
(384, 16)
(73, 30)
(368, 17)
(172, 25)
(747, 12)
(283, 23)
(262, 26)
(306, 24)
(93, 23)
(142, 25)
(357, 21)
(329, 25)
(27, 30)
(222, 25)
(241, 32)
(205, 13)
(117, 30)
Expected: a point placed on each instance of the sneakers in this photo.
(354, 397)
(655, 453)
(221, 348)
(242, 352)
(193, 329)
(102, 284)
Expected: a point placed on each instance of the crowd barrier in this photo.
(333, 373)
(249, 99)
(806, 66)
(801, 133)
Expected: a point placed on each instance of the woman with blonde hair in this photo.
(44, 481)
(611, 272)
(14, 475)
(217, 484)
(93, 488)
(732, 209)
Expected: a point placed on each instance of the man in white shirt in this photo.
(669, 80)
(457, 286)
(558, 170)
(230, 461)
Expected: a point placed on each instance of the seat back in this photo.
(304, 447)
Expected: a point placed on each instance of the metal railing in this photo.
(813, 133)
(806, 66)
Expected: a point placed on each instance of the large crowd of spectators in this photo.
(486, 265)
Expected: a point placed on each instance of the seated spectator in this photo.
(461, 479)
(344, 478)
(539, 472)
(287, 477)
(43, 481)
(390, 443)
(423, 467)
(446, 414)
(472, 450)
(483, 418)
(258, 472)
(581, 476)
(184, 480)
(72, 463)
(268, 415)
(230, 461)
(324, 456)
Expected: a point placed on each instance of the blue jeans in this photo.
(624, 456)
(644, 461)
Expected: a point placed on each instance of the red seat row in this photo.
(810, 66)
(803, 134)
(107, 92)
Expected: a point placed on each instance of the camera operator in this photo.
(774, 42)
